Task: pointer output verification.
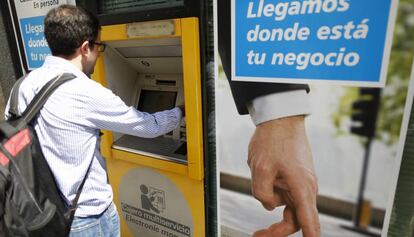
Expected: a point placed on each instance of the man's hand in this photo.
(182, 108)
(282, 170)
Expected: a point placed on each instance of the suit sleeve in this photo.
(243, 92)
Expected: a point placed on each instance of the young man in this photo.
(68, 125)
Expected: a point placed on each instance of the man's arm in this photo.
(105, 110)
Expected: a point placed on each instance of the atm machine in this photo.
(147, 73)
(159, 183)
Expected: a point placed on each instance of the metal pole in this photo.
(362, 183)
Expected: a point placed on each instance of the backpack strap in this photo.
(35, 105)
(40, 99)
(70, 214)
(14, 98)
(7, 129)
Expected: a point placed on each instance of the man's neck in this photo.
(75, 59)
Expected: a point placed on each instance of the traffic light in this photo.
(365, 111)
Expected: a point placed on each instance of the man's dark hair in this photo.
(67, 27)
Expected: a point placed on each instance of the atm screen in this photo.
(153, 101)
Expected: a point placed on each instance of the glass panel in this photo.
(81, 3)
(115, 6)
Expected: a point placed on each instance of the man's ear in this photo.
(84, 48)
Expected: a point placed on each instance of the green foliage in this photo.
(398, 76)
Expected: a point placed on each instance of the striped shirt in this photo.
(68, 130)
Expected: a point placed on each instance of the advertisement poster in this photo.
(354, 132)
(337, 41)
(30, 15)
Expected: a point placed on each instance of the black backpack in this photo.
(30, 201)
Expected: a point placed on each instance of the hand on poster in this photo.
(282, 170)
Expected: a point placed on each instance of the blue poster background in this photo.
(36, 48)
(370, 49)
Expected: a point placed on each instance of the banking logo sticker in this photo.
(152, 199)
(153, 206)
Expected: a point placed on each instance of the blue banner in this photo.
(35, 44)
(293, 41)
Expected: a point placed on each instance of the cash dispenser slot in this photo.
(165, 83)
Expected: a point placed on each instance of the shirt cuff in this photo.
(178, 112)
(168, 120)
(279, 105)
